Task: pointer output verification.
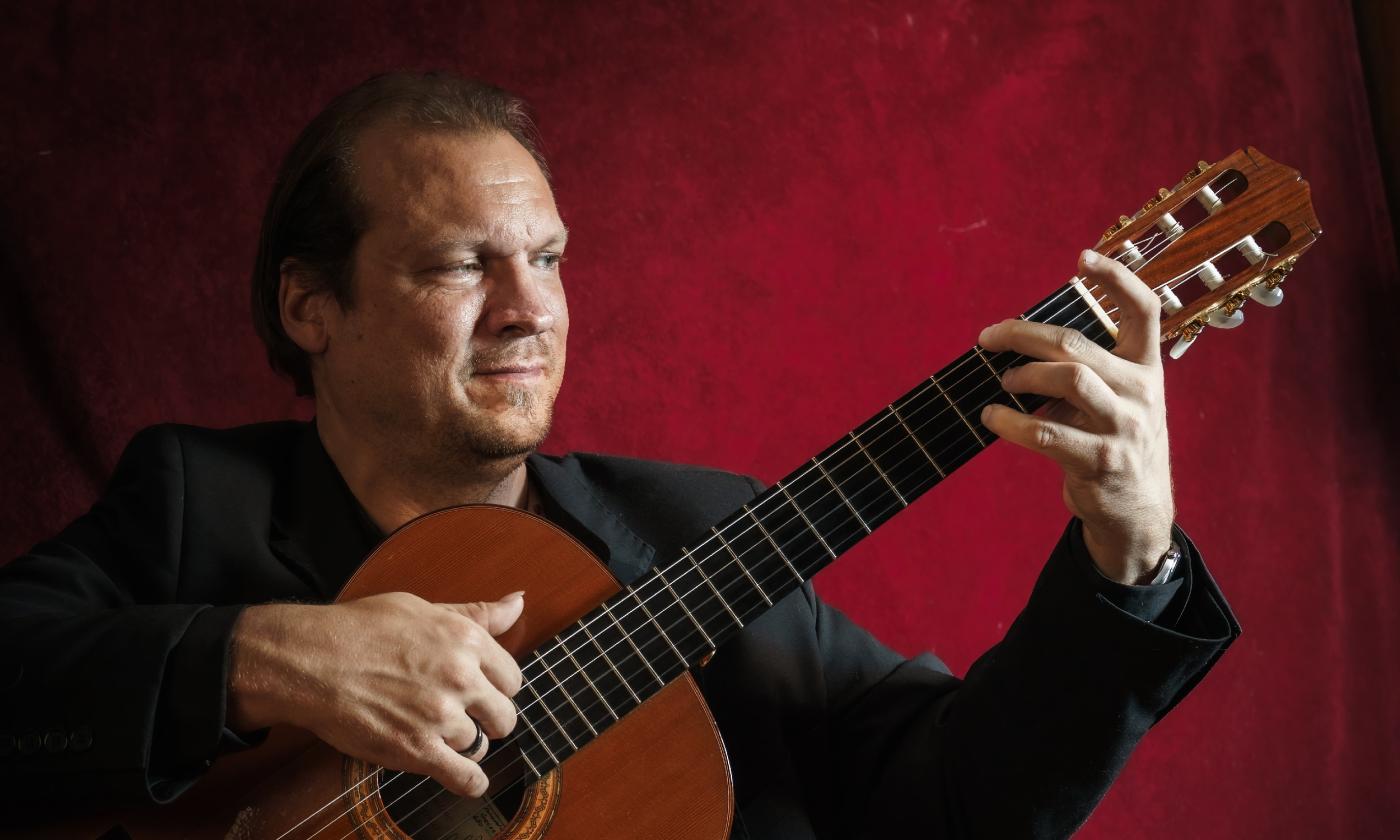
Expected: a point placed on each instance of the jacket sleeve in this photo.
(111, 690)
(1030, 740)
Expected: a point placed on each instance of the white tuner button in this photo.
(1265, 296)
(1181, 346)
(1131, 256)
(1218, 318)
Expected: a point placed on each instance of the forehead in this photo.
(431, 182)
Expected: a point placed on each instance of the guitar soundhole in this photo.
(423, 810)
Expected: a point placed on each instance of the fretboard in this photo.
(670, 620)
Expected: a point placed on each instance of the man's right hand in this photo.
(390, 679)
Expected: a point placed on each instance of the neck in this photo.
(394, 489)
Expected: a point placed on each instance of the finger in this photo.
(1072, 448)
(499, 667)
(1139, 308)
(1075, 383)
(496, 616)
(462, 736)
(1050, 343)
(457, 773)
(494, 711)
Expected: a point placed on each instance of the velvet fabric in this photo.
(783, 215)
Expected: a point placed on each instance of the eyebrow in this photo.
(471, 243)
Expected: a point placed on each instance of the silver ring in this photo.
(480, 737)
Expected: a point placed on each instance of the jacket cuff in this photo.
(1147, 603)
(189, 730)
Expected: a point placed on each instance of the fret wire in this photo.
(957, 410)
(978, 349)
(917, 442)
(525, 754)
(531, 726)
(632, 592)
(800, 513)
(876, 465)
(685, 552)
(567, 697)
(767, 536)
(582, 673)
(633, 643)
(660, 573)
(743, 568)
(602, 654)
(847, 501)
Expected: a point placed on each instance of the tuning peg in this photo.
(1266, 296)
(1171, 304)
(1225, 320)
(1189, 332)
(1181, 346)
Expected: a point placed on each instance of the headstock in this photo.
(1228, 233)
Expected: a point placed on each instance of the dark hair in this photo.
(315, 214)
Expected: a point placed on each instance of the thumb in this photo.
(496, 616)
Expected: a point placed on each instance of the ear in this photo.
(304, 303)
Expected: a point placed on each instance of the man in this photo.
(409, 281)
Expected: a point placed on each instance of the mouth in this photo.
(511, 373)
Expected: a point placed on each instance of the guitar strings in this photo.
(592, 705)
(682, 624)
(1146, 244)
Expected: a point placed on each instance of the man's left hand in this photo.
(1108, 428)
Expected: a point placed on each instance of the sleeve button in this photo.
(55, 741)
(29, 743)
(80, 740)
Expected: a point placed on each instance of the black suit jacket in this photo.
(114, 642)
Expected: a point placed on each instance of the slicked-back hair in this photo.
(316, 216)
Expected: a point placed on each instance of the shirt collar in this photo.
(323, 534)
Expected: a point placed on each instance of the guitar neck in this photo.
(673, 618)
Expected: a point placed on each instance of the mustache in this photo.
(518, 352)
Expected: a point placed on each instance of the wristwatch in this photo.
(1166, 567)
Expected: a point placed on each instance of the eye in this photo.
(548, 260)
(471, 267)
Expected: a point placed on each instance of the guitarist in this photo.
(409, 281)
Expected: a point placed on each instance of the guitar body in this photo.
(1228, 233)
(660, 772)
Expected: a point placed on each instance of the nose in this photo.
(519, 301)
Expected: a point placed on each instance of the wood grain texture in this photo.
(661, 772)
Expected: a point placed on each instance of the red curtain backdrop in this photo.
(783, 215)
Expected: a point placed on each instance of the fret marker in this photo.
(978, 350)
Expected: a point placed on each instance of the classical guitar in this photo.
(607, 668)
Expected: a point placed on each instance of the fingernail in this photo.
(1089, 258)
(986, 412)
(520, 594)
(982, 336)
(1007, 373)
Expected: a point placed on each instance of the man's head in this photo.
(408, 270)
